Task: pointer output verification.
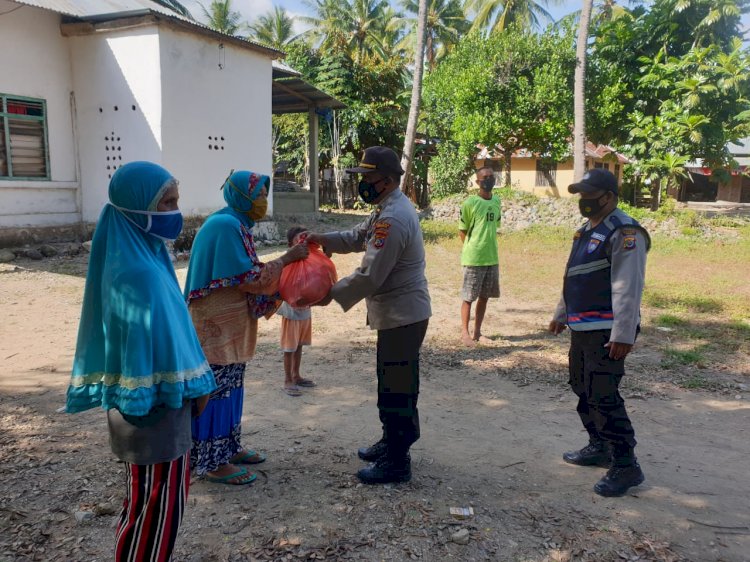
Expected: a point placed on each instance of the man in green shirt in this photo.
(480, 219)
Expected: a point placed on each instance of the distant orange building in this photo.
(530, 172)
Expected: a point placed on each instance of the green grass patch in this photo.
(740, 325)
(435, 232)
(695, 356)
(682, 302)
(669, 320)
(690, 231)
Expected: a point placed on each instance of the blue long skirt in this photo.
(217, 431)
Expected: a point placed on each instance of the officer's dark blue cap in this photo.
(597, 179)
(378, 159)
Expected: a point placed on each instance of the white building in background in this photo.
(88, 85)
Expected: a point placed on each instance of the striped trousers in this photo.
(153, 509)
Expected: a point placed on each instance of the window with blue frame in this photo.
(23, 138)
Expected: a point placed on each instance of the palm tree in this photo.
(496, 15)
(416, 96)
(326, 23)
(391, 35)
(579, 87)
(355, 24)
(274, 28)
(363, 20)
(222, 18)
(445, 25)
(175, 7)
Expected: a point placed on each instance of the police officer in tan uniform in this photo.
(392, 281)
(601, 302)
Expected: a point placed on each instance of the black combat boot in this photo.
(596, 453)
(373, 452)
(387, 469)
(619, 479)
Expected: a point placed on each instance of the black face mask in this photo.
(367, 191)
(487, 183)
(591, 207)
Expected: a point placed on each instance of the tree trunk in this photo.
(416, 96)
(579, 93)
(507, 155)
(655, 194)
(338, 173)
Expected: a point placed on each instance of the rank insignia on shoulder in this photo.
(628, 243)
(382, 225)
(593, 245)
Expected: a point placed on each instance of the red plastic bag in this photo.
(308, 281)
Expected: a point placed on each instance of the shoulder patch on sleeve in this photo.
(577, 235)
(380, 233)
(628, 231)
(628, 243)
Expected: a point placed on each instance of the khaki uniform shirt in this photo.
(391, 277)
(628, 280)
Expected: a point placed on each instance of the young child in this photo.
(296, 331)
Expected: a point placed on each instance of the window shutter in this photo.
(27, 142)
(27, 148)
(3, 152)
(546, 174)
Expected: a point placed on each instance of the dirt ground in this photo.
(495, 421)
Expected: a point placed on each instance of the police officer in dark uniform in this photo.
(600, 304)
(392, 281)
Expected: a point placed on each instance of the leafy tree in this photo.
(374, 91)
(512, 90)
(671, 85)
(275, 29)
(222, 18)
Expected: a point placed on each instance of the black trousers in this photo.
(595, 378)
(398, 385)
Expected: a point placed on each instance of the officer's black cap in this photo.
(378, 159)
(597, 179)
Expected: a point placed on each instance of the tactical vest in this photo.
(587, 288)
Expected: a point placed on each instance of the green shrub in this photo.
(690, 231)
(450, 171)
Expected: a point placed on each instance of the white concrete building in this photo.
(83, 92)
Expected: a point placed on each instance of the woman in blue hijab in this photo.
(138, 357)
(228, 289)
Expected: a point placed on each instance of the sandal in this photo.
(292, 390)
(305, 382)
(226, 479)
(247, 457)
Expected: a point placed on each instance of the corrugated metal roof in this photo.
(93, 8)
(114, 9)
(742, 146)
(294, 95)
(281, 70)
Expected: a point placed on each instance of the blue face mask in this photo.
(165, 225)
(367, 190)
